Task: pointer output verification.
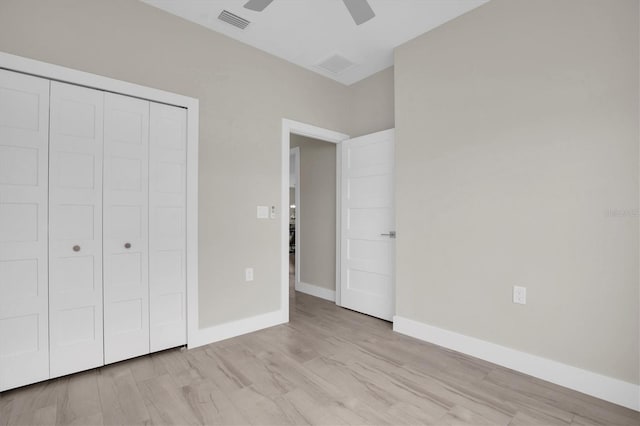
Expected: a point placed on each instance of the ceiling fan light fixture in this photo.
(257, 5)
(360, 10)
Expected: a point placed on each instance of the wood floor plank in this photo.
(409, 414)
(583, 421)
(165, 402)
(352, 383)
(180, 365)
(211, 405)
(257, 408)
(80, 399)
(562, 398)
(243, 363)
(225, 368)
(527, 419)
(520, 402)
(112, 413)
(30, 398)
(91, 420)
(129, 398)
(461, 416)
(327, 366)
(406, 395)
(300, 408)
(146, 367)
(40, 416)
(299, 377)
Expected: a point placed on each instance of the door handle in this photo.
(391, 234)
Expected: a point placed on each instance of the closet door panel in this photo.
(75, 217)
(24, 129)
(167, 235)
(126, 228)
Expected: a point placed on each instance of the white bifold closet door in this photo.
(167, 225)
(24, 129)
(75, 219)
(126, 228)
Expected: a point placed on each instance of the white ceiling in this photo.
(307, 32)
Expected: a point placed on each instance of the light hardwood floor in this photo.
(327, 366)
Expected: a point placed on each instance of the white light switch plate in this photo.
(263, 212)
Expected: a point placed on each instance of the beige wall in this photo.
(244, 94)
(517, 164)
(373, 105)
(317, 211)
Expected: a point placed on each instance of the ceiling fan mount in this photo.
(360, 10)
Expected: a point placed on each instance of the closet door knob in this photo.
(127, 245)
(76, 248)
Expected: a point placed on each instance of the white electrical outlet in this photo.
(248, 274)
(519, 295)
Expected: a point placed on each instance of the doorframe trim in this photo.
(80, 78)
(298, 128)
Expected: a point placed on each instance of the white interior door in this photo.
(167, 226)
(368, 225)
(75, 240)
(126, 227)
(24, 130)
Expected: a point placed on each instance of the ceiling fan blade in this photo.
(257, 5)
(360, 10)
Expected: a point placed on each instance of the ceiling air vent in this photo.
(233, 19)
(335, 64)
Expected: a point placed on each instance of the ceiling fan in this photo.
(360, 10)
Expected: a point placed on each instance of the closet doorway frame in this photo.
(36, 68)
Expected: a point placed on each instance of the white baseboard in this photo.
(204, 336)
(588, 382)
(317, 291)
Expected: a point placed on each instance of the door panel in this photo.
(167, 237)
(368, 212)
(75, 214)
(126, 243)
(24, 317)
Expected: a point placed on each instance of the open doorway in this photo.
(292, 129)
(312, 216)
(364, 221)
(294, 220)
